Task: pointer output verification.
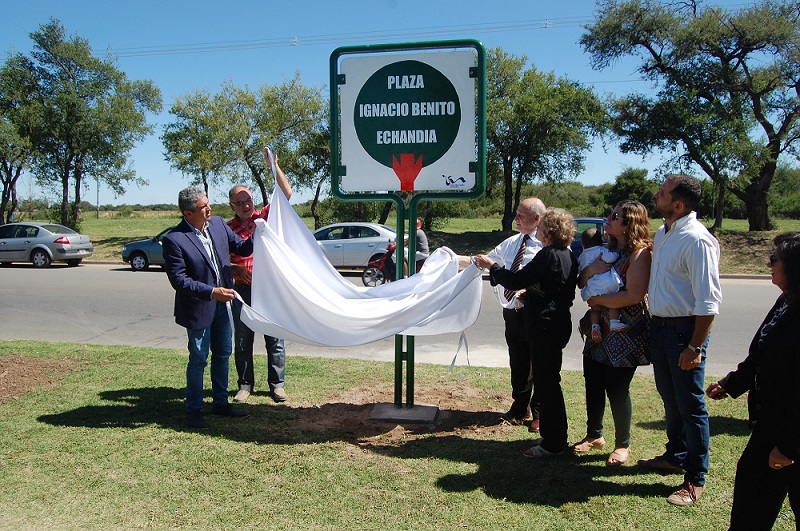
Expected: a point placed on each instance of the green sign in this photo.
(407, 116)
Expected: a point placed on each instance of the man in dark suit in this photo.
(197, 261)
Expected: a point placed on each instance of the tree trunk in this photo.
(508, 195)
(65, 198)
(387, 209)
(758, 213)
(315, 203)
(719, 207)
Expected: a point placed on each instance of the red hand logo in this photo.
(407, 170)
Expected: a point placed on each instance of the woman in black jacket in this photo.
(771, 374)
(549, 280)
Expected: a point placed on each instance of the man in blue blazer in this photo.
(197, 261)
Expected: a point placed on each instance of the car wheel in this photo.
(74, 262)
(372, 276)
(139, 262)
(40, 258)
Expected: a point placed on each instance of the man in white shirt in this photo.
(525, 404)
(684, 296)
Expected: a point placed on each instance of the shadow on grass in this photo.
(718, 425)
(505, 474)
(460, 437)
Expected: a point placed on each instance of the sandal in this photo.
(619, 456)
(586, 444)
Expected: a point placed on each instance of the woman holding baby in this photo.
(609, 364)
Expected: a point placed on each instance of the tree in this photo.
(83, 116)
(281, 116)
(15, 151)
(720, 73)
(538, 126)
(191, 140)
(632, 183)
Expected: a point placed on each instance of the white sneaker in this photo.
(615, 325)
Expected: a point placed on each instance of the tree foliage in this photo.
(727, 98)
(538, 126)
(220, 138)
(633, 184)
(191, 140)
(81, 114)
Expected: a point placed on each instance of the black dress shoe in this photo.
(512, 417)
(196, 421)
(226, 410)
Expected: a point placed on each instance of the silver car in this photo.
(354, 244)
(41, 243)
(143, 253)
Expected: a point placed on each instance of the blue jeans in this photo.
(684, 403)
(217, 338)
(243, 348)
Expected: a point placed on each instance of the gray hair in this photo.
(188, 197)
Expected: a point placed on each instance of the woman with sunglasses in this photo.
(609, 365)
(771, 376)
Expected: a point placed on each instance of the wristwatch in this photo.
(696, 350)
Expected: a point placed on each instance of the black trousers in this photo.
(547, 351)
(759, 491)
(523, 392)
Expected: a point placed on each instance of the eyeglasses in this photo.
(773, 258)
(240, 203)
(614, 216)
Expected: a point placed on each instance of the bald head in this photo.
(528, 213)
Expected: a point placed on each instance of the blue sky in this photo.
(183, 46)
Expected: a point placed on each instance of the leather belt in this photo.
(671, 322)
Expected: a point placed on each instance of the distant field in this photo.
(742, 251)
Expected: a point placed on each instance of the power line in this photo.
(350, 38)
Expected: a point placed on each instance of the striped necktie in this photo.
(517, 262)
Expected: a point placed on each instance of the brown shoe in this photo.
(687, 494)
(534, 427)
(660, 464)
(243, 394)
(585, 445)
(619, 456)
(279, 395)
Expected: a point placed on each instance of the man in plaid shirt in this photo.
(243, 224)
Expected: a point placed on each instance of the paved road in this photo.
(111, 305)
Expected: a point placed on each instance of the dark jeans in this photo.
(759, 490)
(546, 348)
(684, 404)
(602, 380)
(243, 348)
(519, 358)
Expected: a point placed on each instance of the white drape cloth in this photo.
(298, 296)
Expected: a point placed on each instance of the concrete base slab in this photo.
(419, 414)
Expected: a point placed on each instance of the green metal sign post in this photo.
(408, 119)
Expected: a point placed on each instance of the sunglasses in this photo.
(773, 258)
(614, 216)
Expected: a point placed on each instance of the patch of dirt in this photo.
(459, 414)
(745, 252)
(19, 374)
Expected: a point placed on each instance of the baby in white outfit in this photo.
(608, 282)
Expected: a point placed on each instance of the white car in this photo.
(354, 244)
(42, 243)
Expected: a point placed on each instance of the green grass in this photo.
(104, 446)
